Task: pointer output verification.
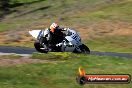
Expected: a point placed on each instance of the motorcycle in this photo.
(71, 42)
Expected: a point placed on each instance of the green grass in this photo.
(5, 26)
(30, 44)
(120, 11)
(111, 44)
(69, 12)
(13, 2)
(72, 13)
(62, 74)
(12, 56)
(53, 56)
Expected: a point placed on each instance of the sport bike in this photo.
(71, 42)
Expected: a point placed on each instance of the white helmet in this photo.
(53, 26)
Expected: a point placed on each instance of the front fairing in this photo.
(71, 42)
(35, 33)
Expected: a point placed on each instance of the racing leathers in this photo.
(52, 40)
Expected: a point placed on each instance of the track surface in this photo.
(26, 50)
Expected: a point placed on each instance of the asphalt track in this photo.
(27, 51)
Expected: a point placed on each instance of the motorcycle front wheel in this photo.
(84, 49)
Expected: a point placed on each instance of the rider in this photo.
(56, 33)
(56, 36)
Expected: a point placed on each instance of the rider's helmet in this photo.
(53, 27)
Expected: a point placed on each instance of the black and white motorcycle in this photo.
(71, 42)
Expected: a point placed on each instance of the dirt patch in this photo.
(22, 60)
(105, 28)
(20, 36)
(95, 30)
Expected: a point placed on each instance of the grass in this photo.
(53, 56)
(25, 44)
(63, 74)
(11, 56)
(120, 11)
(67, 12)
(111, 44)
(73, 11)
(5, 26)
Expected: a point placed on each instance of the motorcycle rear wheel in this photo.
(38, 47)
